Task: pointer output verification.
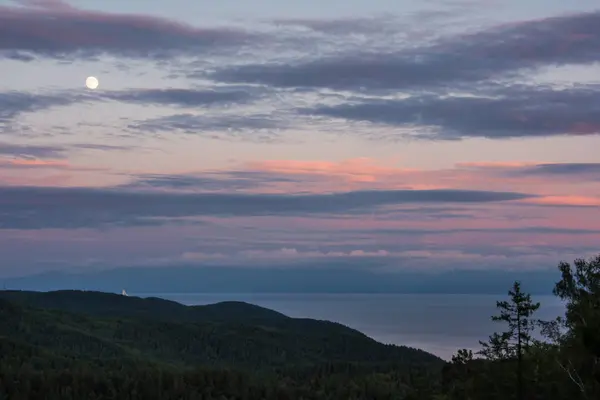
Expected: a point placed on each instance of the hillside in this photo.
(92, 345)
(232, 334)
(102, 304)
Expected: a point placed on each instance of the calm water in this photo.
(440, 324)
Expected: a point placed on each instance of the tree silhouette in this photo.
(514, 342)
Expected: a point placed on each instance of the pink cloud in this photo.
(38, 172)
(47, 180)
(365, 235)
(352, 170)
(495, 164)
(363, 173)
(318, 176)
(33, 163)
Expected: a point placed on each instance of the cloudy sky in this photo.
(406, 134)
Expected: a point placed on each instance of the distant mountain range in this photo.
(285, 280)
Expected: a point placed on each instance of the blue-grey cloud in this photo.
(579, 170)
(535, 230)
(41, 151)
(31, 151)
(181, 97)
(492, 53)
(215, 181)
(72, 32)
(259, 127)
(509, 112)
(346, 26)
(99, 147)
(16, 55)
(14, 103)
(47, 207)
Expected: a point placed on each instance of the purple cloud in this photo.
(58, 30)
(502, 51)
(516, 111)
(55, 207)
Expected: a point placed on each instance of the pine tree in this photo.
(514, 342)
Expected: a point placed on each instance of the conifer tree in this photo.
(515, 341)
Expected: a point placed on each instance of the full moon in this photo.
(91, 82)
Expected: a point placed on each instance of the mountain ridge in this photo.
(229, 334)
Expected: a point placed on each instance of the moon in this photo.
(91, 82)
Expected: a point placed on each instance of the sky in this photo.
(390, 135)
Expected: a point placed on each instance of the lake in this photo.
(439, 324)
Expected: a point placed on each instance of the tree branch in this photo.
(577, 381)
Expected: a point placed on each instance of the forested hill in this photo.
(92, 345)
(98, 325)
(103, 304)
